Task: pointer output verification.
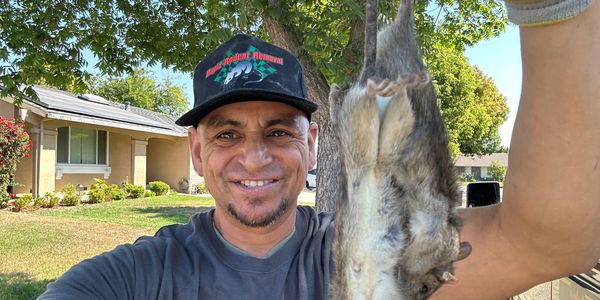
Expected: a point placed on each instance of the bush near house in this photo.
(22, 203)
(71, 197)
(133, 191)
(149, 194)
(200, 188)
(496, 171)
(116, 193)
(50, 200)
(159, 188)
(14, 145)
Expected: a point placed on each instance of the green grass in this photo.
(37, 247)
(148, 213)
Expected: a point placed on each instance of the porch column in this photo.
(47, 162)
(34, 152)
(138, 161)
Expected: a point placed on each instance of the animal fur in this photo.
(396, 227)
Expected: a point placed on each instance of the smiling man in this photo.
(251, 139)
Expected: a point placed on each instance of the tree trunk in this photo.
(328, 176)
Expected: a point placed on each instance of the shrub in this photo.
(39, 202)
(22, 203)
(115, 192)
(200, 188)
(96, 196)
(14, 145)
(497, 171)
(173, 192)
(159, 188)
(50, 200)
(133, 191)
(149, 194)
(71, 197)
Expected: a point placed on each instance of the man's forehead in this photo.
(264, 112)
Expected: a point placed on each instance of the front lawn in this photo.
(37, 247)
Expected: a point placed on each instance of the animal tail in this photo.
(370, 46)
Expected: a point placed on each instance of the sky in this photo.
(499, 58)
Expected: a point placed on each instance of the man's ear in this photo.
(312, 145)
(195, 147)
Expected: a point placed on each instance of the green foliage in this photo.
(133, 191)
(22, 203)
(200, 188)
(38, 202)
(98, 192)
(70, 195)
(96, 196)
(149, 194)
(14, 145)
(50, 200)
(159, 188)
(141, 90)
(471, 105)
(116, 193)
(496, 171)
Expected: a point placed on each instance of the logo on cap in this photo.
(242, 65)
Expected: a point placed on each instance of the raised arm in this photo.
(548, 224)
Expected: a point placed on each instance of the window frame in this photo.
(70, 168)
(68, 163)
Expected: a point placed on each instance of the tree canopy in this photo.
(43, 40)
(141, 90)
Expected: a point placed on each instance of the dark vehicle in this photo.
(483, 193)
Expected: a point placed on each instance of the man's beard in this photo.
(262, 222)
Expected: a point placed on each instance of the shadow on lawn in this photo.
(180, 214)
(19, 285)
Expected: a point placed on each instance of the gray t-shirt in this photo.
(190, 262)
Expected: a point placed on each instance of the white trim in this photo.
(82, 169)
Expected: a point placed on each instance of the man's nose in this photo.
(255, 154)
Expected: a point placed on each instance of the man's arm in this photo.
(547, 226)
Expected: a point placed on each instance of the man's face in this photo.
(254, 157)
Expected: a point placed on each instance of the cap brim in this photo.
(192, 117)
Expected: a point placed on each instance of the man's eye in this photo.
(278, 133)
(227, 136)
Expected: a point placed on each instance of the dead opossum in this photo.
(396, 228)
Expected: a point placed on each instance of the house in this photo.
(477, 165)
(79, 138)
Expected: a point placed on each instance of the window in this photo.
(476, 172)
(460, 170)
(82, 146)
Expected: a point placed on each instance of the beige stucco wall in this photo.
(85, 179)
(168, 161)
(119, 157)
(6, 109)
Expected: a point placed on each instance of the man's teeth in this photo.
(255, 183)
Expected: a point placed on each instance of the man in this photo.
(252, 141)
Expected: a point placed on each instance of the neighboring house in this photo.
(477, 165)
(79, 138)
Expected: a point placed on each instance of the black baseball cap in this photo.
(246, 68)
